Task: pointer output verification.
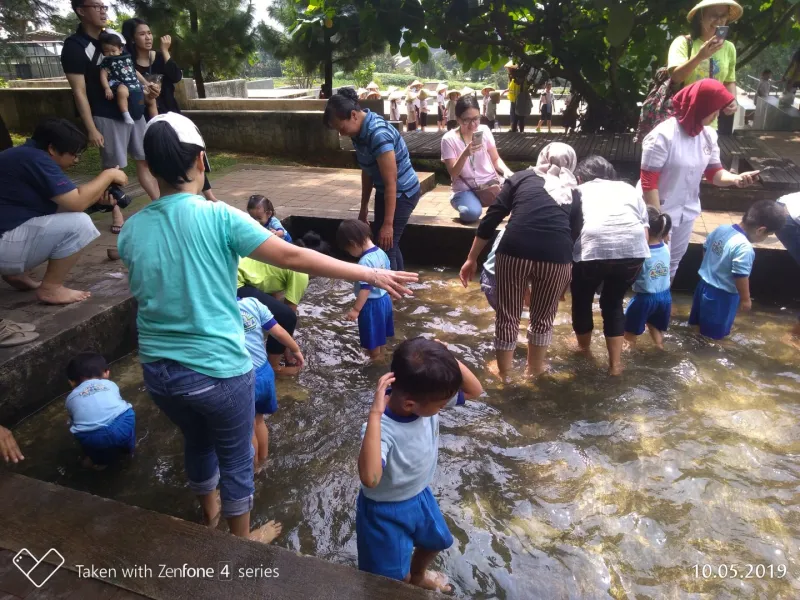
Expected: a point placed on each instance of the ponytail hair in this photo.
(168, 157)
(341, 106)
(660, 223)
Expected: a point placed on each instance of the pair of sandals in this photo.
(16, 334)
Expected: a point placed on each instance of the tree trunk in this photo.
(327, 87)
(5, 136)
(197, 65)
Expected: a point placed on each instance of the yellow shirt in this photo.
(513, 90)
(271, 279)
(721, 66)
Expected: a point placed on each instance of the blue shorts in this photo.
(105, 444)
(648, 309)
(388, 532)
(375, 322)
(713, 310)
(266, 397)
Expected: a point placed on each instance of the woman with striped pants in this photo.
(535, 252)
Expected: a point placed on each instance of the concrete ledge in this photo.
(261, 84)
(294, 133)
(92, 531)
(243, 104)
(54, 82)
(22, 109)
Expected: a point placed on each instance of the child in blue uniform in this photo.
(399, 527)
(373, 307)
(102, 422)
(725, 272)
(257, 318)
(260, 208)
(652, 304)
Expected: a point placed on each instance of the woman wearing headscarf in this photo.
(704, 54)
(610, 251)
(678, 153)
(182, 253)
(535, 252)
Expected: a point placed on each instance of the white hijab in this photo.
(555, 165)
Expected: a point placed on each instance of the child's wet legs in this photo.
(657, 335)
(261, 434)
(631, 339)
(419, 574)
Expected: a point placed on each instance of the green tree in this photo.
(213, 37)
(327, 33)
(607, 49)
(385, 62)
(66, 24)
(362, 75)
(17, 17)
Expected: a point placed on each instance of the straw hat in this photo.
(442, 87)
(736, 10)
(487, 87)
(373, 95)
(416, 83)
(362, 93)
(372, 86)
(411, 96)
(467, 91)
(451, 92)
(395, 94)
(424, 94)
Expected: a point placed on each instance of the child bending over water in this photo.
(102, 422)
(399, 527)
(260, 208)
(652, 304)
(728, 256)
(373, 307)
(257, 318)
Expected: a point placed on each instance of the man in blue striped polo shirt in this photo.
(385, 165)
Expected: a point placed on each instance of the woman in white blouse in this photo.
(610, 251)
(474, 166)
(678, 153)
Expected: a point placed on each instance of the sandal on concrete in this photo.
(12, 335)
(20, 326)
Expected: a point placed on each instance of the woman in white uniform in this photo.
(678, 153)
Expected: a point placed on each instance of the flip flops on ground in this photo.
(16, 334)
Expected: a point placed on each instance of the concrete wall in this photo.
(261, 84)
(771, 116)
(57, 82)
(22, 109)
(298, 134)
(233, 88)
(255, 104)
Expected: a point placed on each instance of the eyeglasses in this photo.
(97, 7)
(474, 121)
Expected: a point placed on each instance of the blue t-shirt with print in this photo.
(409, 452)
(93, 404)
(275, 223)
(728, 255)
(654, 276)
(29, 180)
(182, 254)
(256, 318)
(374, 258)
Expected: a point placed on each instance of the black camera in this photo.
(123, 200)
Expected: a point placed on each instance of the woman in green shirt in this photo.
(703, 55)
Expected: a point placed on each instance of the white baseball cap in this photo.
(187, 131)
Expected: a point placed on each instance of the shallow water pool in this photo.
(658, 484)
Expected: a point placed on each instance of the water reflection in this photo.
(575, 486)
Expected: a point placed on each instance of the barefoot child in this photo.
(102, 422)
(119, 77)
(652, 304)
(725, 272)
(260, 208)
(399, 527)
(373, 307)
(257, 318)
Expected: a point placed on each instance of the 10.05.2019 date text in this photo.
(746, 571)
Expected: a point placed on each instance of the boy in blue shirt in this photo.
(373, 307)
(102, 422)
(725, 271)
(652, 304)
(257, 320)
(399, 527)
(260, 208)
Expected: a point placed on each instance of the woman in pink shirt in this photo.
(471, 157)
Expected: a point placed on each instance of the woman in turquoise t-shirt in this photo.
(182, 252)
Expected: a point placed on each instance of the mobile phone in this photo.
(154, 77)
(722, 31)
(477, 138)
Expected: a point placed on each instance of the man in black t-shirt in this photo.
(106, 129)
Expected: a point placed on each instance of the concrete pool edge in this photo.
(106, 534)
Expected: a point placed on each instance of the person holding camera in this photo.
(42, 216)
(706, 53)
(162, 71)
